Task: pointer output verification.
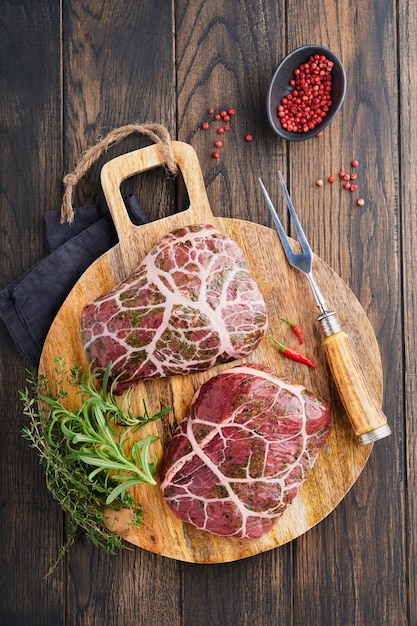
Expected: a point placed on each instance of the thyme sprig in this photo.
(70, 442)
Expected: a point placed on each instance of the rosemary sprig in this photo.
(70, 442)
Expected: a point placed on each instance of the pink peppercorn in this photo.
(354, 188)
(231, 112)
(332, 179)
(220, 131)
(346, 185)
(355, 163)
(308, 103)
(216, 154)
(205, 125)
(218, 144)
(248, 138)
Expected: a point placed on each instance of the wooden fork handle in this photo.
(367, 418)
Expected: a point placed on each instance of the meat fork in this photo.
(366, 417)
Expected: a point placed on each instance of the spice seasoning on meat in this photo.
(190, 304)
(241, 456)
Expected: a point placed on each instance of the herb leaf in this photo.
(70, 442)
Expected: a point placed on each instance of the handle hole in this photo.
(159, 195)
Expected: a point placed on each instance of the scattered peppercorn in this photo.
(216, 154)
(227, 127)
(361, 202)
(205, 125)
(220, 131)
(320, 134)
(231, 112)
(345, 177)
(211, 111)
(218, 143)
(248, 138)
(319, 182)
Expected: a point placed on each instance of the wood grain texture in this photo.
(30, 126)
(408, 200)
(361, 244)
(119, 69)
(67, 78)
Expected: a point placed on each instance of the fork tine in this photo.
(281, 232)
(302, 260)
(305, 246)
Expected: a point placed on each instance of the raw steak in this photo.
(190, 304)
(240, 458)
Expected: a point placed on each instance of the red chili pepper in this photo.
(296, 328)
(292, 354)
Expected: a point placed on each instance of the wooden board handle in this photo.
(117, 170)
(368, 420)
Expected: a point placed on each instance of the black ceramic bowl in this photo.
(280, 87)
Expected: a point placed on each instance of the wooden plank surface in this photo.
(119, 70)
(364, 250)
(408, 199)
(30, 131)
(124, 62)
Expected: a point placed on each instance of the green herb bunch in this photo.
(83, 451)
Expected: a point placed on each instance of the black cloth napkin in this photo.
(29, 305)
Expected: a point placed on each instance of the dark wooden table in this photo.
(73, 70)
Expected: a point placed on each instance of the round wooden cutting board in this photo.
(287, 294)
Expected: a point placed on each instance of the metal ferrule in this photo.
(329, 323)
(375, 435)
